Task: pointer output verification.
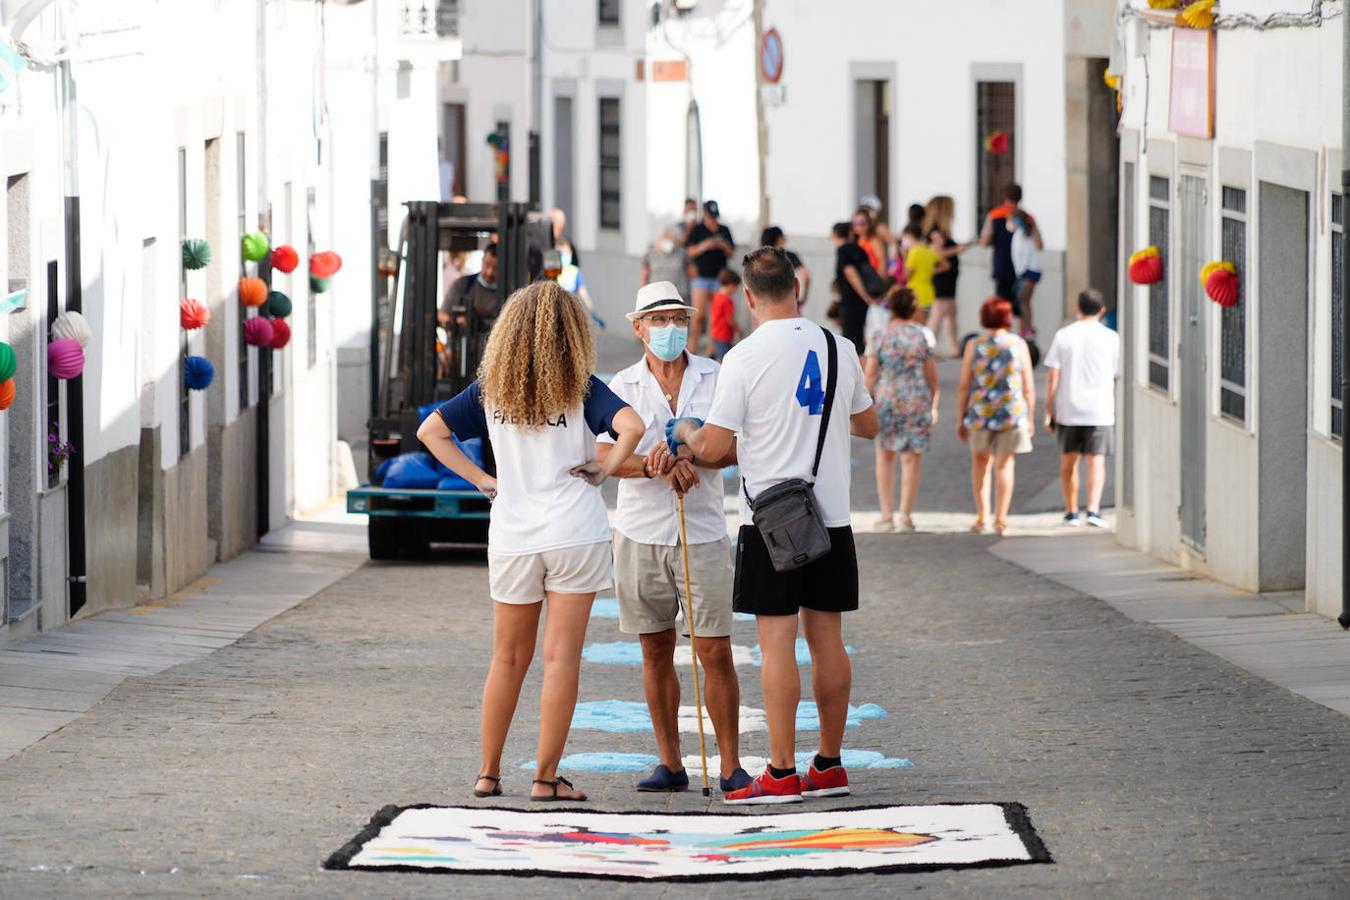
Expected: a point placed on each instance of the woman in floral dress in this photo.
(996, 402)
(901, 374)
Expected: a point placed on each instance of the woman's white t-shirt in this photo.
(540, 505)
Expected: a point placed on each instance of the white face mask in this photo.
(665, 245)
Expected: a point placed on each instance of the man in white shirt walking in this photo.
(770, 404)
(1081, 410)
(649, 572)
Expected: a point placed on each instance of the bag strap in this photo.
(831, 382)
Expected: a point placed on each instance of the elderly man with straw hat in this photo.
(649, 563)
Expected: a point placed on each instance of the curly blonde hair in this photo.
(539, 356)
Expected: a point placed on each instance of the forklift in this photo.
(421, 362)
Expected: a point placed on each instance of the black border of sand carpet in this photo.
(1014, 813)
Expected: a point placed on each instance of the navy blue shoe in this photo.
(662, 780)
(739, 779)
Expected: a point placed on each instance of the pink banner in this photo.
(1191, 111)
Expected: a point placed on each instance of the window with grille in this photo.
(995, 114)
(241, 202)
(184, 396)
(609, 12)
(1159, 307)
(1337, 314)
(611, 206)
(447, 18)
(1233, 319)
(53, 383)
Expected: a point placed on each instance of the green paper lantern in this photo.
(9, 364)
(196, 254)
(278, 305)
(319, 285)
(255, 246)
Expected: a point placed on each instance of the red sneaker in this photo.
(767, 789)
(833, 782)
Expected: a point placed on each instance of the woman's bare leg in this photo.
(514, 627)
(886, 479)
(979, 484)
(1004, 467)
(564, 635)
(910, 469)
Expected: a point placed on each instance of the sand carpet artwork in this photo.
(567, 842)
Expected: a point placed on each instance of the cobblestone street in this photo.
(1149, 767)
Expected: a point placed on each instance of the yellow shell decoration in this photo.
(1209, 268)
(1199, 15)
(1163, 4)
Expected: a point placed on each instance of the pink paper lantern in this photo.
(257, 332)
(65, 358)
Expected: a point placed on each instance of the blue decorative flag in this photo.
(10, 64)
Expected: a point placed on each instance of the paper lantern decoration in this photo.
(9, 363)
(1199, 15)
(6, 393)
(278, 305)
(193, 314)
(997, 143)
(1163, 4)
(252, 291)
(281, 334)
(1146, 266)
(325, 264)
(65, 358)
(198, 373)
(1222, 283)
(319, 285)
(285, 259)
(196, 254)
(255, 246)
(257, 332)
(74, 326)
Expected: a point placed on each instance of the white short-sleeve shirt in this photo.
(1087, 354)
(646, 510)
(771, 392)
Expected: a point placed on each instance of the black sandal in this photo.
(496, 786)
(555, 798)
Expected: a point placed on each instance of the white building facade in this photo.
(162, 122)
(1231, 423)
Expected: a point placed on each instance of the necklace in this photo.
(669, 398)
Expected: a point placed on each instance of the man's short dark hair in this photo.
(842, 230)
(1013, 193)
(1091, 302)
(770, 236)
(769, 274)
(490, 249)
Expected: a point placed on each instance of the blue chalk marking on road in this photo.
(614, 763)
(743, 617)
(629, 653)
(605, 608)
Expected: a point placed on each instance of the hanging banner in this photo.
(1191, 108)
(10, 64)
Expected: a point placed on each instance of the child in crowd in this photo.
(723, 331)
(922, 262)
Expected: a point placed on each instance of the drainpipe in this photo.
(75, 526)
(378, 241)
(1344, 618)
(263, 414)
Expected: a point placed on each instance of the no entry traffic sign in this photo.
(771, 56)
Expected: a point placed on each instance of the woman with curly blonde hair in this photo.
(549, 538)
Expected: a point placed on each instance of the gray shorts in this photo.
(523, 578)
(1088, 440)
(649, 581)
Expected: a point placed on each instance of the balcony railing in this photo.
(430, 18)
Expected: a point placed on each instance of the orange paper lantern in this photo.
(193, 314)
(1146, 266)
(252, 291)
(6, 393)
(325, 264)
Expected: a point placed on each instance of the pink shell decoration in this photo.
(257, 332)
(65, 358)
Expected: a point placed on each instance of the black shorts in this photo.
(830, 584)
(1088, 440)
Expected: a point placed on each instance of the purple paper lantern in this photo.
(257, 332)
(65, 358)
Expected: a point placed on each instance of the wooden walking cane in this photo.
(693, 646)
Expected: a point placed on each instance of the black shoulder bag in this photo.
(787, 514)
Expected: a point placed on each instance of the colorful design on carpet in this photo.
(606, 763)
(631, 717)
(629, 653)
(575, 843)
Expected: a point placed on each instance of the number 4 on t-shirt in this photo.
(811, 387)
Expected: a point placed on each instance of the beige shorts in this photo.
(649, 580)
(523, 579)
(1011, 440)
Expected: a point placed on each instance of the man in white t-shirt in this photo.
(1081, 410)
(770, 401)
(648, 560)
